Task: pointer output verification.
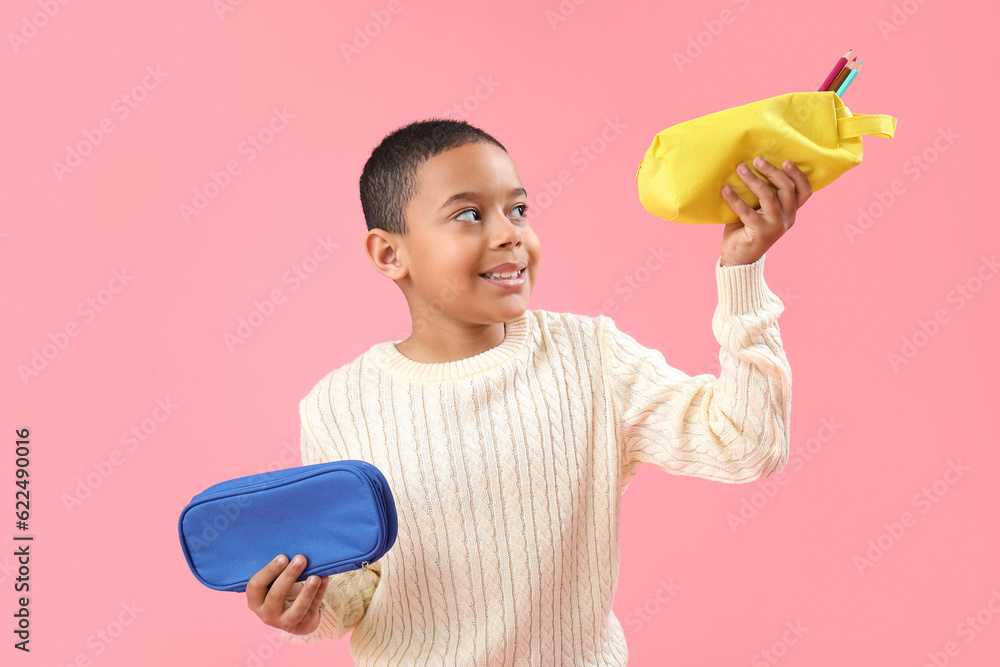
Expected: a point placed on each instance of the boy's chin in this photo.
(511, 313)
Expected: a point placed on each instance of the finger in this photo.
(274, 603)
(740, 207)
(320, 592)
(305, 602)
(786, 186)
(770, 205)
(257, 586)
(803, 188)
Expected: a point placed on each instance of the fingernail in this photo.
(787, 165)
(297, 560)
(742, 168)
(759, 161)
(280, 560)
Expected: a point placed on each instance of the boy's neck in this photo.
(438, 346)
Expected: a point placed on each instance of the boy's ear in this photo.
(383, 251)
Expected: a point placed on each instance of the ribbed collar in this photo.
(386, 356)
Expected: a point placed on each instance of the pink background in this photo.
(695, 588)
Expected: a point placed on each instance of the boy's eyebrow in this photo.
(516, 192)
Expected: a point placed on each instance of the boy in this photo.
(508, 435)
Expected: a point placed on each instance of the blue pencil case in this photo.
(340, 515)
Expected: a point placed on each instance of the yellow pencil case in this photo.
(683, 171)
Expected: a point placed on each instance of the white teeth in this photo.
(497, 276)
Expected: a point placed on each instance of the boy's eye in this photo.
(523, 207)
(468, 210)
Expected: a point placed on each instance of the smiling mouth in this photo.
(516, 279)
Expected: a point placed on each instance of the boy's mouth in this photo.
(505, 278)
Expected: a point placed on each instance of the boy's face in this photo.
(467, 218)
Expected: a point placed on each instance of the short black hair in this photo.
(389, 178)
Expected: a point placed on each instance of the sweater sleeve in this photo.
(348, 594)
(732, 428)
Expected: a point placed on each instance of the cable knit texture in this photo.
(508, 467)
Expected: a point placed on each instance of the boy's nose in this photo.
(507, 232)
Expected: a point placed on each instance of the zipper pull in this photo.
(364, 565)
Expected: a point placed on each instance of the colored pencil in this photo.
(850, 77)
(843, 75)
(835, 71)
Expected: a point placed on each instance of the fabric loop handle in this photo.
(879, 125)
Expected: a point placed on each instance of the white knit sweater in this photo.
(508, 467)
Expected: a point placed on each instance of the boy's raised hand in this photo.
(283, 603)
(745, 242)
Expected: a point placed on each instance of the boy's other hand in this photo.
(283, 603)
(745, 242)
